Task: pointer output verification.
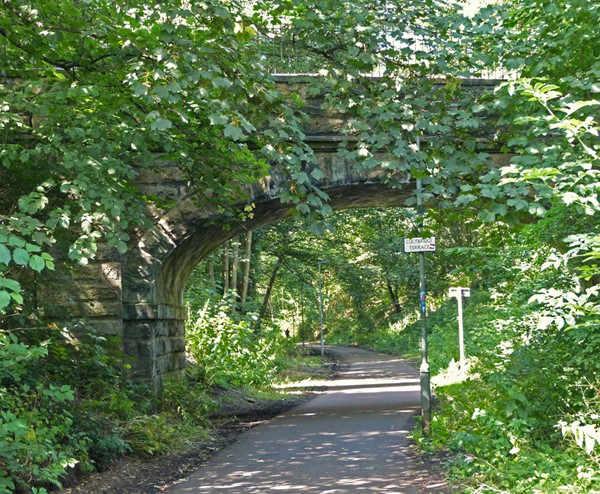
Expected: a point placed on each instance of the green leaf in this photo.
(573, 107)
(486, 216)
(490, 191)
(303, 208)
(32, 248)
(326, 210)
(233, 132)
(317, 174)
(313, 200)
(161, 124)
(570, 197)
(301, 177)
(21, 257)
(222, 82)
(139, 89)
(11, 285)
(121, 247)
(4, 299)
(517, 203)
(5, 256)
(37, 263)
(17, 297)
(16, 241)
(499, 209)
(465, 199)
(33, 203)
(218, 119)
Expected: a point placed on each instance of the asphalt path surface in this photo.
(353, 437)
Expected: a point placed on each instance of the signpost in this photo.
(422, 245)
(459, 293)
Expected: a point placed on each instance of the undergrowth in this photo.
(67, 409)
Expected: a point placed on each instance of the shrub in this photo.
(229, 353)
(38, 440)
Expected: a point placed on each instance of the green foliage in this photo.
(229, 353)
(188, 399)
(97, 91)
(63, 390)
(531, 340)
(396, 339)
(38, 438)
(158, 434)
(532, 375)
(565, 34)
(65, 408)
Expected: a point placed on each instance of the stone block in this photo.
(177, 330)
(154, 348)
(162, 364)
(177, 362)
(99, 308)
(108, 327)
(139, 330)
(162, 329)
(160, 171)
(141, 369)
(175, 345)
(130, 348)
(154, 312)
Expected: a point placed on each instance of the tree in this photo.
(98, 89)
(546, 378)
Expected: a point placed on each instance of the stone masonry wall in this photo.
(155, 341)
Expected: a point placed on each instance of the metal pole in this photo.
(424, 369)
(321, 306)
(461, 332)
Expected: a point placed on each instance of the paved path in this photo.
(351, 438)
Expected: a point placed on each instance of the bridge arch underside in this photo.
(155, 276)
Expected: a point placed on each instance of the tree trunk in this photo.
(234, 265)
(246, 261)
(225, 269)
(265, 303)
(210, 266)
(393, 296)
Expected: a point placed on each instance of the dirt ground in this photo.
(134, 476)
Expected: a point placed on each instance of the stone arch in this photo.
(155, 273)
(138, 296)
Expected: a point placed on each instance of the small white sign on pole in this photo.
(459, 291)
(419, 244)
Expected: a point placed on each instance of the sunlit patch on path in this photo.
(353, 437)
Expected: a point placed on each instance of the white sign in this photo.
(456, 291)
(419, 244)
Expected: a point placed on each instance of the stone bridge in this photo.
(138, 297)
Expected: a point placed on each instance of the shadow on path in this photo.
(353, 437)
